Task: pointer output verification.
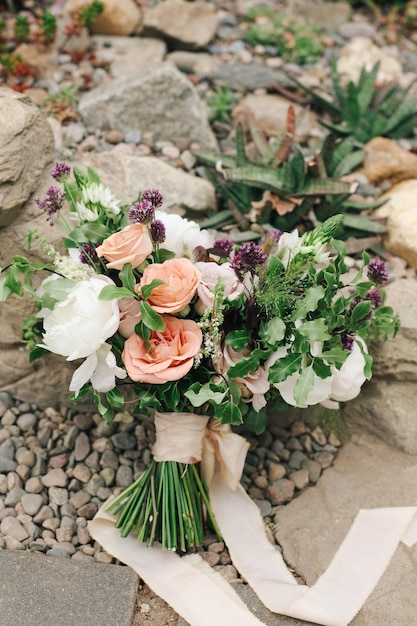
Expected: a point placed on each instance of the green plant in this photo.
(221, 102)
(48, 28)
(88, 15)
(277, 190)
(21, 29)
(365, 110)
(62, 104)
(296, 41)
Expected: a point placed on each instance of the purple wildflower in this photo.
(60, 172)
(153, 196)
(88, 254)
(142, 212)
(276, 234)
(347, 340)
(248, 258)
(377, 271)
(374, 296)
(53, 203)
(158, 232)
(222, 247)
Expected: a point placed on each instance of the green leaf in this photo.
(322, 369)
(151, 318)
(93, 177)
(237, 339)
(337, 356)
(361, 310)
(199, 394)
(115, 398)
(36, 353)
(110, 292)
(147, 289)
(229, 414)
(304, 385)
(127, 277)
(93, 232)
(309, 303)
(165, 255)
(316, 330)
(363, 223)
(367, 370)
(273, 331)
(247, 364)
(282, 368)
(256, 421)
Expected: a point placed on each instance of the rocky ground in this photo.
(58, 466)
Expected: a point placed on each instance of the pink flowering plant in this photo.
(146, 300)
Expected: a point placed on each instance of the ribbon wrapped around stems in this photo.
(201, 595)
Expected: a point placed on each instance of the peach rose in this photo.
(170, 356)
(130, 245)
(129, 316)
(181, 279)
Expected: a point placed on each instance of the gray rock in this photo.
(280, 491)
(82, 447)
(31, 503)
(14, 496)
(124, 476)
(55, 478)
(26, 149)
(323, 14)
(57, 495)
(12, 527)
(27, 421)
(124, 441)
(386, 405)
(248, 77)
(7, 450)
(126, 175)
(127, 55)
(183, 24)
(161, 100)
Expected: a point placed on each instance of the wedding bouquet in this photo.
(208, 334)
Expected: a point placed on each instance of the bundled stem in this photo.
(169, 503)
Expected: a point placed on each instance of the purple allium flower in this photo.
(377, 271)
(347, 340)
(60, 172)
(276, 234)
(248, 258)
(375, 298)
(158, 232)
(88, 254)
(222, 247)
(153, 196)
(142, 212)
(53, 203)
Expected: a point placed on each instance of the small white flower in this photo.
(99, 367)
(71, 267)
(86, 214)
(98, 194)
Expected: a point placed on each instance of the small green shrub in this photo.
(296, 41)
(221, 102)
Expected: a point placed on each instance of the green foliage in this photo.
(48, 27)
(221, 102)
(21, 29)
(88, 15)
(296, 41)
(364, 110)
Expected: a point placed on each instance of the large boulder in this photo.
(26, 149)
(386, 405)
(184, 25)
(362, 50)
(386, 161)
(160, 100)
(127, 55)
(400, 211)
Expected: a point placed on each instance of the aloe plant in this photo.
(364, 110)
(277, 190)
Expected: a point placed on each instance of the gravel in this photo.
(58, 467)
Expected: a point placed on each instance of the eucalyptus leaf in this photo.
(315, 330)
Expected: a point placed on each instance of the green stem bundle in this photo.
(169, 503)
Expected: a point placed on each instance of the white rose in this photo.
(210, 273)
(78, 325)
(99, 367)
(183, 235)
(347, 381)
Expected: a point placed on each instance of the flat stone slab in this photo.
(367, 474)
(36, 590)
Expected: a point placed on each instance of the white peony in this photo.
(183, 235)
(98, 194)
(100, 367)
(78, 325)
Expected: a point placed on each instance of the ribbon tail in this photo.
(342, 590)
(194, 590)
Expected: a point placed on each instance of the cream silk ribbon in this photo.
(201, 595)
